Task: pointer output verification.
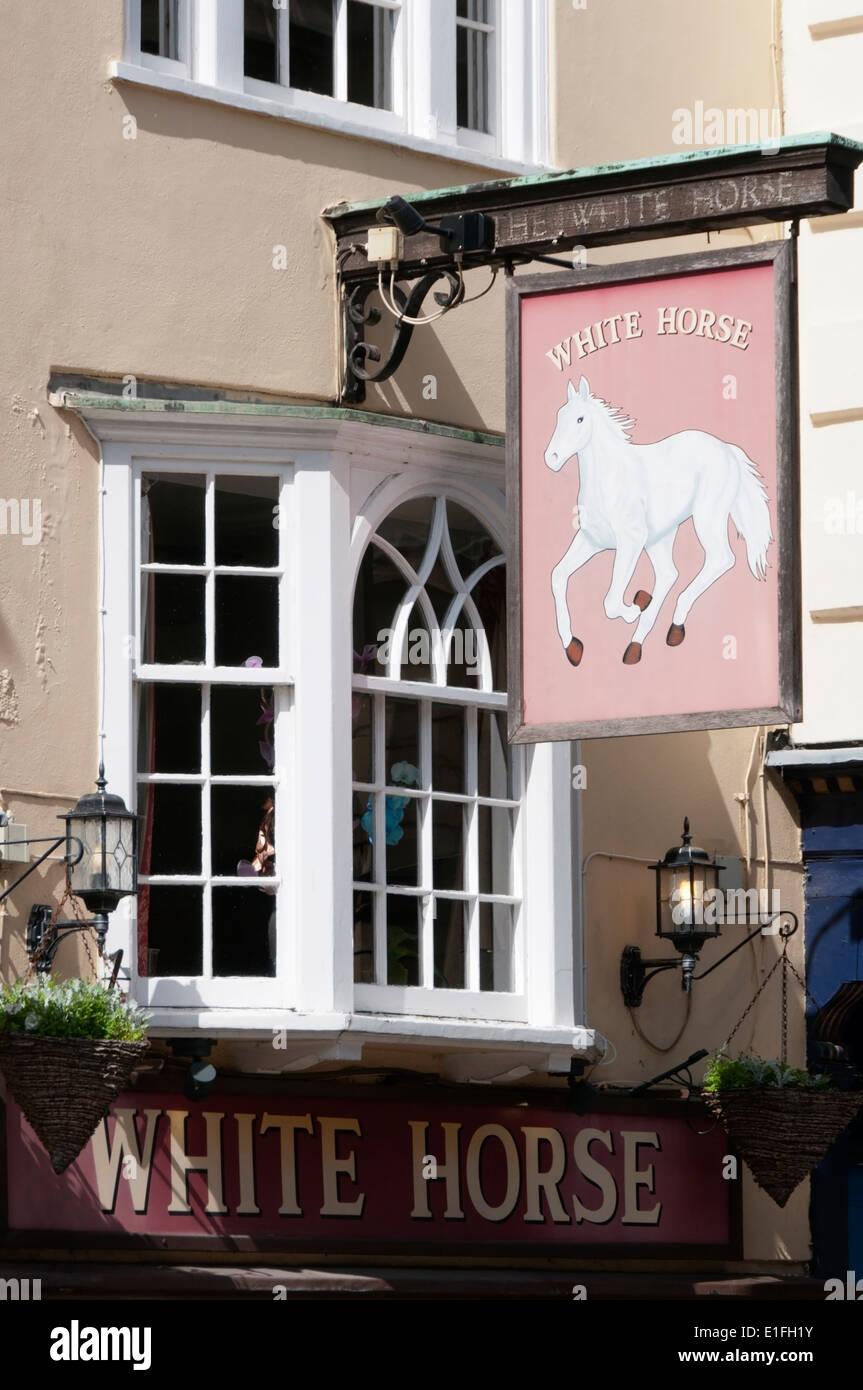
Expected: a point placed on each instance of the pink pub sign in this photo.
(652, 494)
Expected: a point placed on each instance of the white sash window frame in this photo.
(424, 108)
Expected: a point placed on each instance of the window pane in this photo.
(472, 57)
(260, 47)
(173, 619)
(465, 654)
(363, 738)
(449, 944)
(495, 769)
(247, 620)
(170, 922)
(489, 595)
(407, 528)
(477, 10)
(311, 45)
(417, 653)
(364, 962)
(169, 728)
(246, 533)
(244, 932)
(495, 849)
(159, 27)
(495, 947)
(170, 828)
(448, 848)
(402, 839)
(448, 764)
(471, 542)
(370, 49)
(402, 733)
(364, 834)
(380, 589)
(241, 827)
(173, 519)
(403, 937)
(241, 729)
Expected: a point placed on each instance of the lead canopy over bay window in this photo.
(306, 688)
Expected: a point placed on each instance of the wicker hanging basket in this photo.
(781, 1133)
(65, 1086)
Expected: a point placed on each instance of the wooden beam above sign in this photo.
(701, 191)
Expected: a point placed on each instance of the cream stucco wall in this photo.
(621, 68)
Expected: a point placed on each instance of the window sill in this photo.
(264, 106)
(255, 1024)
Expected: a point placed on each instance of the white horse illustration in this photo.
(633, 497)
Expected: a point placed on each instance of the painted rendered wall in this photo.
(621, 69)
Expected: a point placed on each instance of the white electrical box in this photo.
(384, 244)
(12, 851)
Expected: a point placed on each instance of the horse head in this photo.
(573, 428)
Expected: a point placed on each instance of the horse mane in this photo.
(615, 417)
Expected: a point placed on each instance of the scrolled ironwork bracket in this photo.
(357, 314)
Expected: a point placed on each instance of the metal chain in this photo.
(47, 937)
(754, 998)
(787, 965)
(783, 1055)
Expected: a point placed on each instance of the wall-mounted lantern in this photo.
(101, 858)
(688, 914)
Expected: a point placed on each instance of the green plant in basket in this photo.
(71, 1009)
(726, 1073)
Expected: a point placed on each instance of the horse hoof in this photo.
(632, 655)
(574, 651)
(642, 599)
(676, 634)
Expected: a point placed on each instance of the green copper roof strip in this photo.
(661, 163)
(129, 405)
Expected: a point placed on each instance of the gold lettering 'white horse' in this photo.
(633, 497)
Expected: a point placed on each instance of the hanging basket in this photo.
(65, 1086)
(781, 1133)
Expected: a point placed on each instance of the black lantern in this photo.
(687, 893)
(687, 915)
(106, 869)
(101, 857)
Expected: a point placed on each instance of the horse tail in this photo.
(751, 515)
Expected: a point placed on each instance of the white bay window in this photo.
(305, 689)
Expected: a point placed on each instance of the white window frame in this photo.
(345, 477)
(222, 990)
(486, 141)
(337, 106)
(417, 999)
(181, 66)
(424, 115)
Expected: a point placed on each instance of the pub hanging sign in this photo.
(652, 493)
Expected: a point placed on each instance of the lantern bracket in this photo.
(68, 858)
(636, 973)
(39, 925)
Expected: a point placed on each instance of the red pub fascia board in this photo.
(425, 1172)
